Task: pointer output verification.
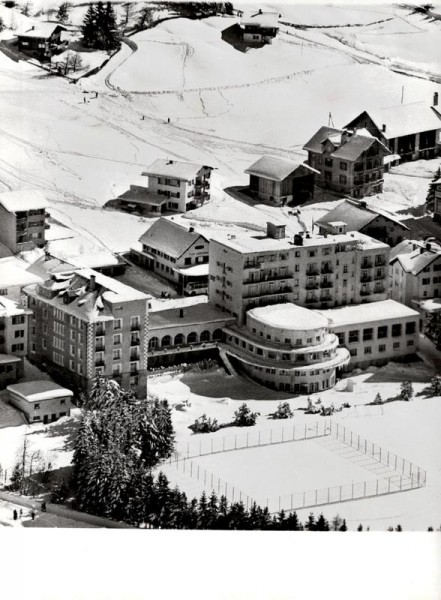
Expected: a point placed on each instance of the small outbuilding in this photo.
(41, 401)
(281, 181)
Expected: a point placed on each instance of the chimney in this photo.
(363, 204)
(191, 229)
(435, 99)
(428, 247)
(422, 250)
(92, 283)
(383, 128)
(298, 240)
(181, 313)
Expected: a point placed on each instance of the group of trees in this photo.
(119, 441)
(243, 417)
(195, 10)
(99, 28)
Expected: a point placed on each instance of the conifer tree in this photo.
(89, 26)
(63, 12)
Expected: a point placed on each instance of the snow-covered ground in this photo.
(403, 428)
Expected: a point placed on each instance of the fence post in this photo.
(358, 443)
(226, 489)
(351, 438)
(365, 446)
(352, 492)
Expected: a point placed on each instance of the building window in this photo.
(343, 179)
(343, 166)
(116, 370)
(18, 320)
(36, 406)
(396, 345)
(353, 336)
(410, 342)
(117, 324)
(410, 328)
(382, 332)
(368, 350)
(19, 333)
(368, 334)
(117, 354)
(328, 162)
(116, 339)
(353, 351)
(396, 330)
(382, 348)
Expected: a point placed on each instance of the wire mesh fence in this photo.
(379, 454)
(251, 438)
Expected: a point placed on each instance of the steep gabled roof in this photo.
(170, 237)
(43, 30)
(404, 119)
(175, 169)
(414, 262)
(345, 149)
(275, 169)
(355, 215)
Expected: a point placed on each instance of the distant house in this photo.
(415, 272)
(41, 401)
(356, 216)
(22, 220)
(177, 253)
(42, 41)
(261, 27)
(412, 131)
(348, 162)
(172, 186)
(281, 181)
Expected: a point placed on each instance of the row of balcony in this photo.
(281, 290)
(272, 277)
(100, 362)
(100, 347)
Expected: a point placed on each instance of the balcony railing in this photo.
(282, 290)
(379, 276)
(367, 264)
(135, 342)
(99, 362)
(312, 285)
(263, 278)
(99, 331)
(135, 327)
(312, 272)
(311, 300)
(365, 278)
(365, 293)
(100, 347)
(380, 261)
(327, 269)
(326, 284)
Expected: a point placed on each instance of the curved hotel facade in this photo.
(287, 347)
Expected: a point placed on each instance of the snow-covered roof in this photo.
(9, 308)
(252, 242)
(8, 359)
(429, 305)
(267, 19)
(13, 272)
(141, 195)
(367, 313)
(348, 146)
(196, 314)
(355, 215)
(170, 237)
(288, 316)
(22, 200)
(405, 119)
(43, 30)
(37, 391)
(414, 262)
(276, 169)
(88, 302)
(176, 169)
